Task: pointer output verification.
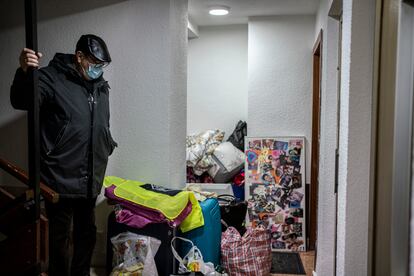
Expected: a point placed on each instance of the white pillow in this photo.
(227, 162)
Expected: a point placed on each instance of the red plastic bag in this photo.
(247, 255)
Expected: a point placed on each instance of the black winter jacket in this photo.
(74, 127)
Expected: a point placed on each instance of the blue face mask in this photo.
(94, 71)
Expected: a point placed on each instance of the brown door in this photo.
(316, 111)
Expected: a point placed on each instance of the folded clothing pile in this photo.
(140, 204)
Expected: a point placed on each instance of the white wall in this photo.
(177, 95)
(148, 45)
(402, 181)
(322, 15)
(146, 75)
(355, 137)
(280, 77)
(406, 40)
(325, 263)
(217, 79)
(13, 125)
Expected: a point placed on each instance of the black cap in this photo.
(94, 46)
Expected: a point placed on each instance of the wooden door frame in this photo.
(316, 118)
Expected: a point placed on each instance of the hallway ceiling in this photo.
(240, 10)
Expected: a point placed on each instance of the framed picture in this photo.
(275, 189)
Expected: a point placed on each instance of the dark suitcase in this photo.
(164, 259)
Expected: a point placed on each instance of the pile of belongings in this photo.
(210, 160)
(139, 204)
(200, 147)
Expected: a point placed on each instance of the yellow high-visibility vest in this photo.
(170, 206)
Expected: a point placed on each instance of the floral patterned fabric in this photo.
(200, 147)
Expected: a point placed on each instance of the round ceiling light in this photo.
(219, 10)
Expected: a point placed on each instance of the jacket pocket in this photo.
(110, 143)
(59, 138)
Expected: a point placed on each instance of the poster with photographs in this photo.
(275, 189)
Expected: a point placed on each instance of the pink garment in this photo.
(138, 216)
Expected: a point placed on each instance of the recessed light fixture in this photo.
(219, 10)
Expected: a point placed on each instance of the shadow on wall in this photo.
(13, 147)
(103, 209)
(12, 11)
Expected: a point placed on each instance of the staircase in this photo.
(24, 240)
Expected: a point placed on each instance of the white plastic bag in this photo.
(193, 261)
(134, 254)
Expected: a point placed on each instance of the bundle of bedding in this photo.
(210, 160)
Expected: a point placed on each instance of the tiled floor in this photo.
(308, 261)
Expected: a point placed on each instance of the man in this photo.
(75, 144)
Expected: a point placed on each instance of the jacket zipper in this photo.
(91, 101)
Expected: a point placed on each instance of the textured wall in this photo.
(217, 79)
(406, 25)
(400, 252)
(325, 264)
(178, 92)
(146, 76)
(13, 124)
(280, 77)
(355, 137)
(148, 45)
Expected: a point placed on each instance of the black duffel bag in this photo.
(237, 137)
(233, 213)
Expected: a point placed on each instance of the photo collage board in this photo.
(275, 189)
